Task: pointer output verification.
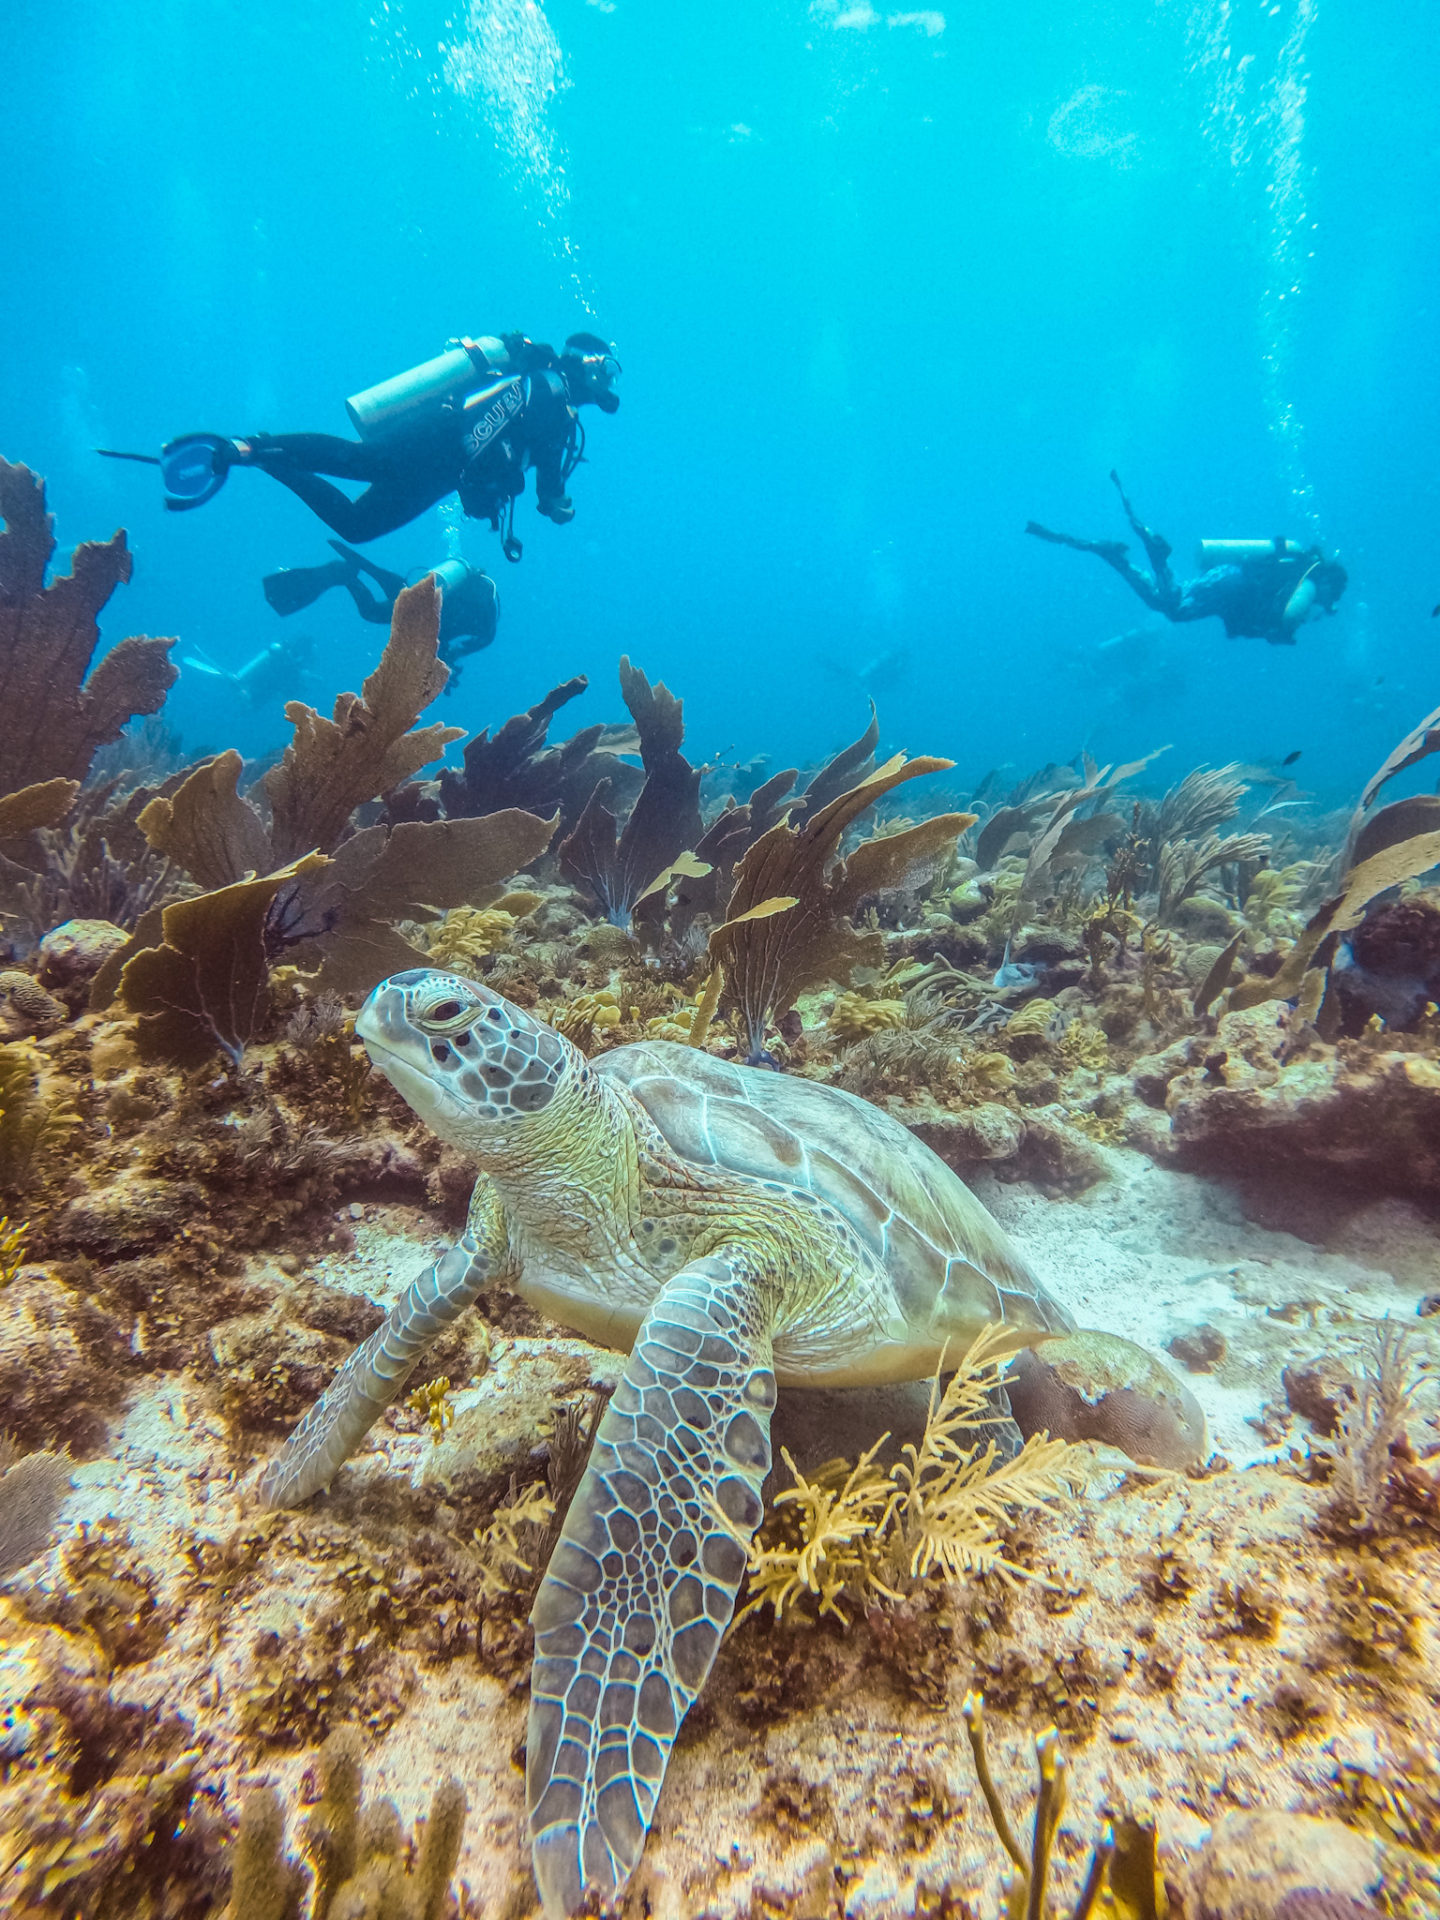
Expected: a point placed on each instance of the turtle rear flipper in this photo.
(643, 1581)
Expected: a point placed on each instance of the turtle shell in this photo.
(952, 1269)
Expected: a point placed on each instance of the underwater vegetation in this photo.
(209, 1196)
(865, 1534)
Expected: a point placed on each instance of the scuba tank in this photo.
(450, 574)
(428, 388)
(1236, 553)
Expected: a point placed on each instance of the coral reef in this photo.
(1182, 1036)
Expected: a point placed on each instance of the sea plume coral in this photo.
(788, 923)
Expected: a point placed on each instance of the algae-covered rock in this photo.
(1098, 1386)
(65, 1365)
(1205, 919)
(1290, 1866)
(128, 1216)
(73, 953)
(26, 1009)
(1359, 1114)
(988, 1131)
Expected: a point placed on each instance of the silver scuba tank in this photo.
(449, 574)
(1235, 553)
(379, 410)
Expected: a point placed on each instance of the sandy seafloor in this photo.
(823, 1786)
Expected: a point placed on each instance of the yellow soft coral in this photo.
(12, 1248)
(939, 1512)
(588, 1015)
(468, 934)
(1032, 1021)
(853, 1017)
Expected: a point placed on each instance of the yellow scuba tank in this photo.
(434, 384)
(1235, 553)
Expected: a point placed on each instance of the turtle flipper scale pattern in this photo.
(379, 1367)
(643, 1581)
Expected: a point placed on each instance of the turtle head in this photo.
(467, 1061)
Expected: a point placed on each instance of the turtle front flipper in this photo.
(643, 1580)
(377, 1370)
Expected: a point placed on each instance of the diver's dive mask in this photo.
(591, 370)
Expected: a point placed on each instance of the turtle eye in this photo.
(449, 1012)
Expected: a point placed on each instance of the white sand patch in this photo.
(1151, 1253)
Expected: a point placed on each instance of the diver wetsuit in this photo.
(420, 455)
(1265, 596)
(403, 476)
(422, 466)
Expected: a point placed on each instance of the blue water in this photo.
(885, 284)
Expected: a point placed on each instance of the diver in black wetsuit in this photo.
(469, 602)
(1261, 589)
(471, 422)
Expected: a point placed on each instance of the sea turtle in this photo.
(735, 1230)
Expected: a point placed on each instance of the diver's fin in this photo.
(388, 583)
(295, 587)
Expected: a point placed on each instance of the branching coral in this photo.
(515, 1547)
(865, 1534)
(1123, 1881)
(1373, 1428)
(53, 719)
(510, 1545)
(1271, 895)
(1074, 829)
(362, 1866)
(95, 865)
(1203, 800)
(1183, 864)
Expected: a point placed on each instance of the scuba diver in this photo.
(470, 422)
(469, 602)
(1261, 589)
(278, 672)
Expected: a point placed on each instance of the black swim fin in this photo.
(294, 588)
(389, 583)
